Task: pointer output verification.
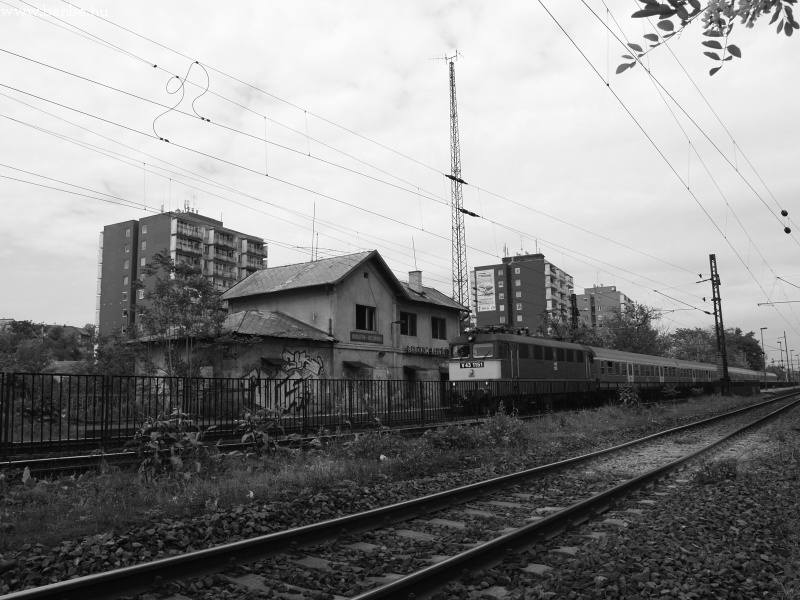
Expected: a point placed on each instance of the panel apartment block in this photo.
(223, 255)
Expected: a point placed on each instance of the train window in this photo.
(459, 351)
(482, 351)
(638, 370)
(570, 357)
(537, 353)
(548, 353)
(560, 354)
(524, 351)
(579, 356)
(602, 367)
(610, 368)
(617, 369)
(647, 370)
(503, 348)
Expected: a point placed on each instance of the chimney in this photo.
(415, 281)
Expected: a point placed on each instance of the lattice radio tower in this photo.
(460, 272)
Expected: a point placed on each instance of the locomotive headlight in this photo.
(470, 338)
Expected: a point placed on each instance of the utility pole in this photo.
(764, 358)
(458, 237)
(722, 354)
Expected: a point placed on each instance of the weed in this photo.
(629, 395)
(670, 392)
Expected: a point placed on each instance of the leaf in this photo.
(651, 36)
(628, 56)
(665, 25)
(714, 70)
(713, 55)
(780, 26)
(712, 44)
(788, 28)
(177, 463)
(734, 50)
(776, 14)
(696, 6)
(645, 13)
(636, 47)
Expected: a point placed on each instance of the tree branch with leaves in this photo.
(718, 18)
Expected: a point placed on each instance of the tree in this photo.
(696, 344)
(559, 327)
(743, 350)
(633, 329)
(718, 19)
(182, 313)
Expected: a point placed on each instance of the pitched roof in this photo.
(272, 324)
(431, 296)
(319, 272)
(330, 271)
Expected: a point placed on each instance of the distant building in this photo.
(519, 292)
(224, 255)
(598, 303)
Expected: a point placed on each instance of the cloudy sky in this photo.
(340, 110)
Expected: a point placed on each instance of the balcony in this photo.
(228, 257)
(191, 231)
(188, 248)
(226, 273)
(226, 241)
(254, 250)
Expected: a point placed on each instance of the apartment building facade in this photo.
(598, 303)
(519, 292)
(224, 255)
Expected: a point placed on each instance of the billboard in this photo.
(485, 290)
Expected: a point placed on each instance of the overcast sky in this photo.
(618, 179)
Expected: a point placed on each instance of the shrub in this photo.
(670, 392)
(629, 395)
(504, 430)
(452, 437)
(165, 443)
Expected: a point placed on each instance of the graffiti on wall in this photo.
(282, 388)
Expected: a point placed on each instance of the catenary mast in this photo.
(460, 272)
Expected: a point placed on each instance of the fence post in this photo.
(421, 403)
(305, 407)
(5, 403)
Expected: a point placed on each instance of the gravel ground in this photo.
(745, 539)
(729, 529)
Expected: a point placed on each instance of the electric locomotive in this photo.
(533, 373)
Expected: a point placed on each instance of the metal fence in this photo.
(50, 413)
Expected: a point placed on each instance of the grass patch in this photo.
(110, 500)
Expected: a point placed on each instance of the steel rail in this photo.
(127, 581)
(427, 581)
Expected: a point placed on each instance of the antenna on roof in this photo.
(414, 248)
(313, 227)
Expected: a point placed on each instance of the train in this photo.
(486, 366)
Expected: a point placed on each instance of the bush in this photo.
(629, 395)
(501, 429)
(452, 437)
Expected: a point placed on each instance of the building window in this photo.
(142, 262)
(517, 282)
(124, 296)
(144, 229)
(126, 264)
(516, 271)
(144, 245)
(499, 272)
(438, 328)
(519, 317)
(502, 307)
(519, 294)
(127, 247)
(502, 296)
(141, 294)
(500, 283)
(502, 319)
(128, 232)
(408, 323)
(519, 305)
(365, 317)
(141, 277)
(124, 313)
(125, 280)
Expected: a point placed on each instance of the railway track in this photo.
(419, 546)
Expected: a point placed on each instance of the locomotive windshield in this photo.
(482, 351)
(459, 351)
